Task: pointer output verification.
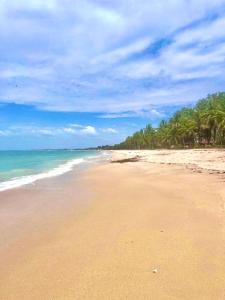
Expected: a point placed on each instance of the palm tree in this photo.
(205, 123)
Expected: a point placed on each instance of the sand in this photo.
(138, 230)
(211, 160)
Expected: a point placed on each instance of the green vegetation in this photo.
(200, 126)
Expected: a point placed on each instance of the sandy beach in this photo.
(149, 229)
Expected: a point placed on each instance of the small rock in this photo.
(154, 271)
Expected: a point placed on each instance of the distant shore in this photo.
(149, 228)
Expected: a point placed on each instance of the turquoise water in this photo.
(33, 165)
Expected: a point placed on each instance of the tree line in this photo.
(200, 126)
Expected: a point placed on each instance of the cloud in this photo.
(48, 131)
(19, 71)
(111, 57)
(109, 130)
(76, 125)
(117, 115)
(89, 130)
(4, 132)
(123, 52)
(69, 130)
(150, 113)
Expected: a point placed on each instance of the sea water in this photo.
(18, 168)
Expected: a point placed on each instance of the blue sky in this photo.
(86, 73)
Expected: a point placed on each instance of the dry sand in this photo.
(211, 160)
(148, 231)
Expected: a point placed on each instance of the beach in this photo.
(151, 228)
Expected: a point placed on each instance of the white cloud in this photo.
(116, 115)
(4, 132)
(48, 131)
(203, 59)
(109, 130)
(43, 131)
(205, 33)
(69, 130)
(18, 71)
(89, 130)
(150, 113)
(28, 5)
(76, 125)
(123, 52)
(102, 56)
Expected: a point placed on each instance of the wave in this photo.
(24, 180)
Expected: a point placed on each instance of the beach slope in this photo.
(149, 231)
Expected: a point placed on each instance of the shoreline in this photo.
(59, 170)
(149, 156)
(136, 230)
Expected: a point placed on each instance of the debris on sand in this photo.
(125, 160)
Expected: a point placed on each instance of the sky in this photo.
(90, 72)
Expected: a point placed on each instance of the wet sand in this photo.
(137, 230)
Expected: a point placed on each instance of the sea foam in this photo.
(23, 180)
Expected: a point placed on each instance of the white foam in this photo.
(20, 181)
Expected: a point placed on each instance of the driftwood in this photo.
(125, 160)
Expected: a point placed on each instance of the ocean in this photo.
(18, 168)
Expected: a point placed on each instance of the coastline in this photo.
(138, 230)
(58, 170)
